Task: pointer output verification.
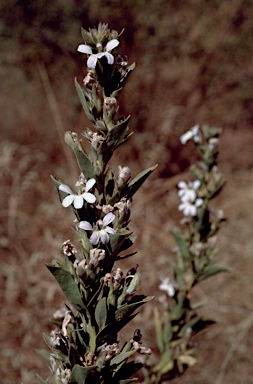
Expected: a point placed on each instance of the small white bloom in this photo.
(167, 286)
(102, 229)
(78, 200)
(187, 191)
(193, 134)
(213, 143)
(189, 208)
(93, 58)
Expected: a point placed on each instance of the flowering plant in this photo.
(85, 346)
(179, 320)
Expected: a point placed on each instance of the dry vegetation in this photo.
(193, 66)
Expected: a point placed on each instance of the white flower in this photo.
(101, 233)
(189, 208)
(93, 58)
(187, 191)
(193, 134)
(78, 199)
(167, 286)
(213, 143)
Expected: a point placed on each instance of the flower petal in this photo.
(85, 225)
(111, 45)
(188, 196)
(182, 185)
(83, 48)
(104, 236)
(89, 197)
(89, 184)
(196, 184)
(191, 210)
(100, 54)
(108, 219)
(68, 200)
(167, 286)
(110, 230)
(199, 202)
(94, 239)
(195, 129)
(65, 188)
(185, 137)
(78, 202)
(92, 61)
(110, 58)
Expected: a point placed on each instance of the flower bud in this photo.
(135, 283)
(96, 255)
(110, 105)
(124, 175)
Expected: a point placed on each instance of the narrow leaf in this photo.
(127, 309)
(118, 131)
(158, 330)
(79, 374)
(84, 101)
(40, 379)
(44, 354)
(111, 330)
(181, 244)
(68, 286)
(211, 271)
(83, 160)
(121, 357)
(101, 313)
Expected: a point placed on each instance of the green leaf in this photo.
(40, 379)
(166, 363)
(44, 354)
(158, 329)
(181, 307)
(136, 183)
(87, 37)
(116, 241)
(83, 160)
(101, 313)
(110, 331)
(211, 271)
(127, 309)
(79, 374)
(56, 182)
(118, 131)
(47, 340)
(189, 325)
(181, 244)
(121, 357)
(84, 101)
(68, 286)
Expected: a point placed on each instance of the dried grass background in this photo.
(194, 65)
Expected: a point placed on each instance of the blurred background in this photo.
(194, 66)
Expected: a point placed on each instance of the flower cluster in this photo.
(189, 200)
